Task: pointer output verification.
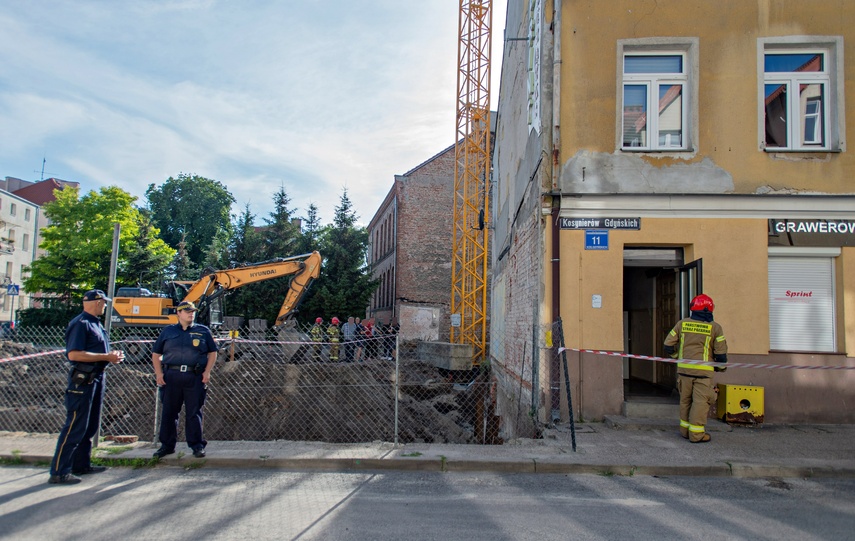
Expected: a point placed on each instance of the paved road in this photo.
(175, 503)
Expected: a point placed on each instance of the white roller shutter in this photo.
(801, 304)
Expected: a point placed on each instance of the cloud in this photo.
(315, 96)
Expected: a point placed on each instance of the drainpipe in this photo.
(555, 368)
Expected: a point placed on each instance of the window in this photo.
(26, 215)
(657, 94)
(799, 102)
(25, 245)
(802, 315)
(13, 209)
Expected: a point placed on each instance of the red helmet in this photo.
(702, 301)
(319, 320)
(334, 321)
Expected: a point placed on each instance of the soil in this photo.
(260, 397)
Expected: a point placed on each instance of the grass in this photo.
(15, 460)
(414, 453)
(115, 450)
(134, 463)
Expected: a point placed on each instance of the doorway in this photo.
(657, 289)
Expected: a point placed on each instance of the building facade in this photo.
(648, 151)
(410, 252)
(19, 241)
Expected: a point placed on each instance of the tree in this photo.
(247, 247)
(181, 267)
(190, 209)
(310, 239)
(146, 258)
(345, 285)
(281, 235)
(70, 268)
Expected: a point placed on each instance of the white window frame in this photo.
(687, 48)
(830, 78)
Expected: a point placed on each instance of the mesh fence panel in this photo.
(269, 384)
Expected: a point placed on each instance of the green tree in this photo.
(345, 285)
(247, 247)
(181, 268)
(217, 255)
(147, 259)
(70, 268)
(191, 209)
(281, 239)
(281, 235)
(310, 239)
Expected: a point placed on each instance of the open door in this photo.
(690, 280)
(674, 293)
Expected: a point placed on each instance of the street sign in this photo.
(13, 289)
(596, 239)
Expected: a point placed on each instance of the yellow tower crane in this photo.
(471, 178)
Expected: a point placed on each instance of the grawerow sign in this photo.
(815, 232)
(813, 226)
(600, 223)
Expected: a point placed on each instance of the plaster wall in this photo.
(725, 157)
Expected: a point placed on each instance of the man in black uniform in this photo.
(183, 357)
(87, 346)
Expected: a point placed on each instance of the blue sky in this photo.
(311, 95)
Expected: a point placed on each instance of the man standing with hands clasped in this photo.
(183, 357)
(87, 347)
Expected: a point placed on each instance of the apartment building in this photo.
(648, 151)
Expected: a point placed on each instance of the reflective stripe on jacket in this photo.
(697, 341)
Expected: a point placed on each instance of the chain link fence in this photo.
(268, 384)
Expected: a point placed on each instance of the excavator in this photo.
(138, 307)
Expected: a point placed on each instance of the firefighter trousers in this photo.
(696, 397)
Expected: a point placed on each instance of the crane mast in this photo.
(471, 178)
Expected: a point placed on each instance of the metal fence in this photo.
(267, 385)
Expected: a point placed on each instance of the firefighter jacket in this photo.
(334, 333)
(698, 341)
(317, 333)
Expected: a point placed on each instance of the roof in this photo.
(42, 192)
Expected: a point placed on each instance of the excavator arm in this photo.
(304, 268)
(159, 310)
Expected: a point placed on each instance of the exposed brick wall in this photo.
(517, 343)
(425, 214)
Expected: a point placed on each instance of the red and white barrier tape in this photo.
(32, 355)
(705, 363)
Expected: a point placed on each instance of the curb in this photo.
(443, 465)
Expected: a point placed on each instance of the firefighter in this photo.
(317, 333)
(334, 335)
(697, 338)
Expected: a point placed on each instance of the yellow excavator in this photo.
(138, 307)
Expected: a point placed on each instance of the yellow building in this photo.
(650, 150)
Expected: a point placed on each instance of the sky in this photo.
(313, 96)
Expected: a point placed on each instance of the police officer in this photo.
(697, 338)
(317, 334)
(87, 347)
(183, 357)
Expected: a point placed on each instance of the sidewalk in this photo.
(619, 446)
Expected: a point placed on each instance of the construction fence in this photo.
(268, 384)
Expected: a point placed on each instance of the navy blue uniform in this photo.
(185, 356)
(82, 402)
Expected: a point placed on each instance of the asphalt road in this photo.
(173, 503)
